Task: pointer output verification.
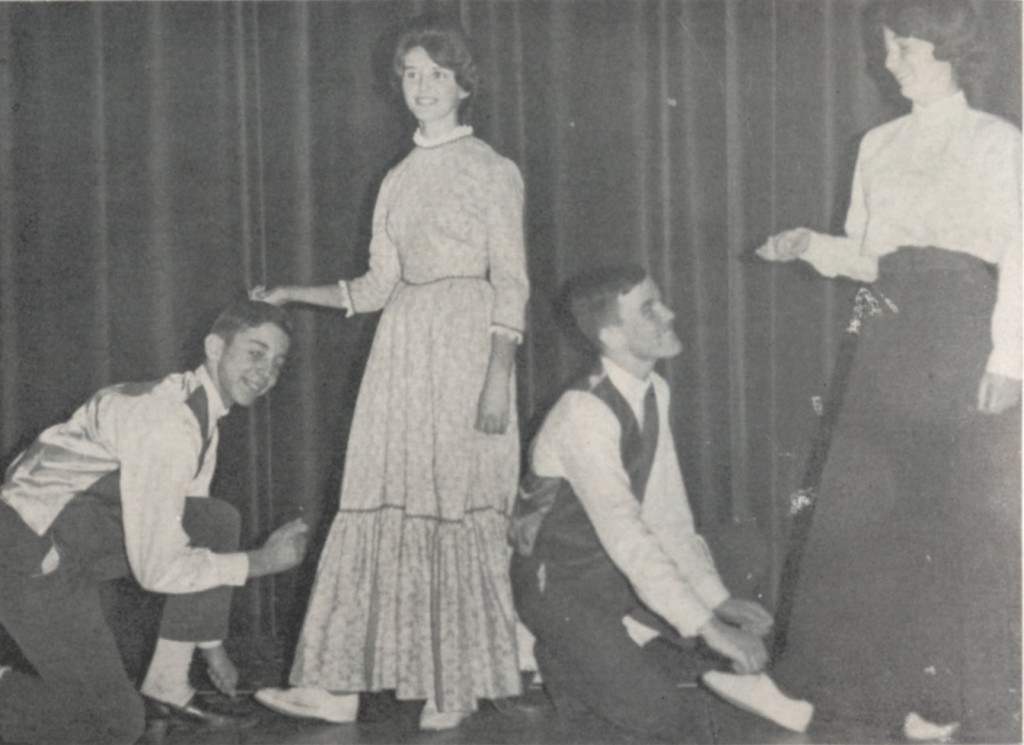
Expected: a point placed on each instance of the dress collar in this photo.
(216, 403)
(463, 130)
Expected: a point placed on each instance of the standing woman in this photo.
(412, 591)
(907, 609)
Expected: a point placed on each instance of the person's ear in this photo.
(611, 337)
(214, 346)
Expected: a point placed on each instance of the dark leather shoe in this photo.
(533, 703)
(194, 712)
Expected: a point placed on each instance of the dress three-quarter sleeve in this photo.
(505, 249)
(371, 291)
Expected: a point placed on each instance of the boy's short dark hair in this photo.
(592, 297)
(248, 314)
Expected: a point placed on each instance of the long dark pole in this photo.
(868, 302)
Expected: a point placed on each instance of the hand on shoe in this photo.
(748, 615)
(221, 670)
(746, 650)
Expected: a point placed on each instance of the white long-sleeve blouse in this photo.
(946, 176)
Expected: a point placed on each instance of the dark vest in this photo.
(550, 526)
(83, 527)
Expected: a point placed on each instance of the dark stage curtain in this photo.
(157, 159)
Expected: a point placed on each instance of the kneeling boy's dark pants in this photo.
(589, 662)
(81, 692)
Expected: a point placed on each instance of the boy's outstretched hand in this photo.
(283, 550)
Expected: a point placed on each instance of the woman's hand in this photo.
(998, 393)
(786, 246)
(274, 296)
(492, 409)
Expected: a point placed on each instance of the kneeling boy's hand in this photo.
(748, 615)
(747, 651)
(283, 550)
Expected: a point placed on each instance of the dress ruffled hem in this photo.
(417, 605)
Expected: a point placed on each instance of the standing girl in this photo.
(907, 607)
(412, 591)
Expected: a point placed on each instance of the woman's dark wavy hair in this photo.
(951, 25)
(444, 39)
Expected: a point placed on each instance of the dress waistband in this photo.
(477, 278)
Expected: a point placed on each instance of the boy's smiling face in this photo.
(248, 365)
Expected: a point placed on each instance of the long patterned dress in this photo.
(412, 591)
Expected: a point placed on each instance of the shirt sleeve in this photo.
(506, 253)
(158, 464)
(1002, 205)
(371, 291)
(580, 442)
(834, 256)
(346, 297)
(674, 526)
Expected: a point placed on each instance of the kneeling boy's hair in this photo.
(592, 297)
(248, 314)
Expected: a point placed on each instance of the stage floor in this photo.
(385, 720)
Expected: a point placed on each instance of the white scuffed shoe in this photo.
(311, 703)
(759, 695)
(433, 720)
(919, 729)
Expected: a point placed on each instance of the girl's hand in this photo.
(274, 296)
(492, 409)
(998, 393)
(786, 246)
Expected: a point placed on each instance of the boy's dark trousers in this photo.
(80, 692)
(590, 664)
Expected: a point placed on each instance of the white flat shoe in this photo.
(433, 720)
(310, 703)
(759, 695)
(919, 729)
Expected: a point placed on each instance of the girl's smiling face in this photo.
(922, 78)
(431, 92)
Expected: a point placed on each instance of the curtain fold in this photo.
(158, 159)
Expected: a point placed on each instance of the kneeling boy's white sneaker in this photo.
(311, 703)
(917, 728)
(759, 695)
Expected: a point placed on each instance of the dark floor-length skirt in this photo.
(910, 589)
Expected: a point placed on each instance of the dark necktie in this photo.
(649, 432)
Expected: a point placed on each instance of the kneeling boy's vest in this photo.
(550, 526)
